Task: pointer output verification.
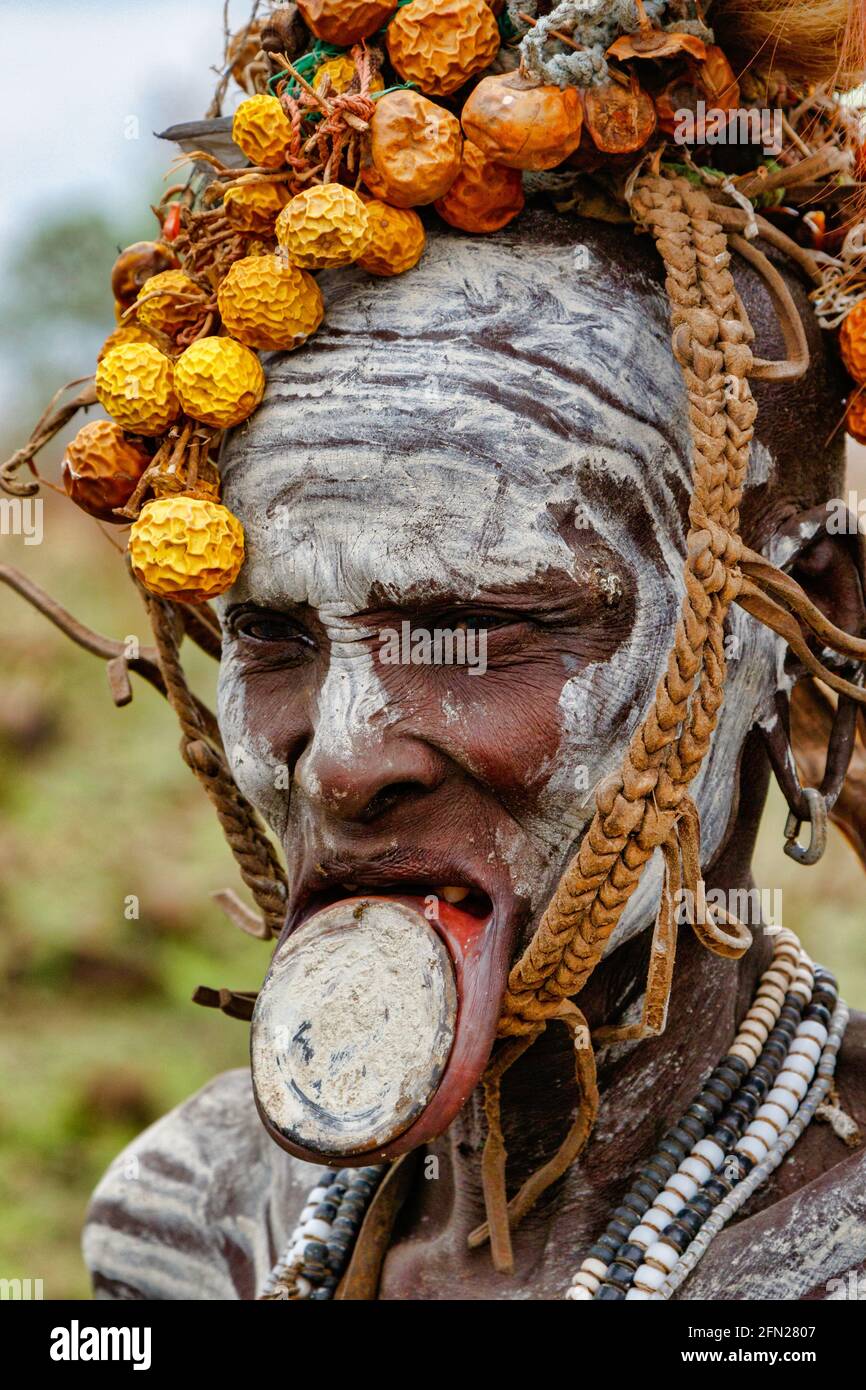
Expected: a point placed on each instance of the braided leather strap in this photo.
(637, 807)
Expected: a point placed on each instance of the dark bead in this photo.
(719, 1088)
(729, 1075)
(362, 1186)
(725, 1136)
(701, 1113)
(690, 1221)
(619, 1274)
(816, 1013)
(346, 1175)
(373, 1173)
(675, 1148)
(645, 1189)
(335, 1192)
(702, 1204)
(631, 1255)
(624, 1213)
(755, 1086)
(735, 1063)
(764, 1074)
(604, 1249)
(610, 1291)
(619, 1229)
(321, 1294)
(675, 1236)
(734, 1122)
(315, 1251)
(717, 1187)
(745, 1103)
(655, 1171)
(325, 1211)
(788, 1014)
(633, 1203)
(715, 1104)
(330, 1281)
(326, 1177)
(346, 1225)
(691, 1127)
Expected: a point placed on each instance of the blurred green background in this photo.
(97, 1034)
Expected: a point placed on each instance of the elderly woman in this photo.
(495, 444)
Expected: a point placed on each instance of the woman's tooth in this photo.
(453, 895)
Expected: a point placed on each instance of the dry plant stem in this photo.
(49, 424)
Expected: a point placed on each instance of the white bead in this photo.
(634, 1294)
(811, 1028)
(746, 1050)
(649, 1278)
(303, 1286)
(753, 1028)
(763, 1014)
(773, 1114)
(752, 1146)
(771, 991)
(662, 1254)
(806, 1047)
(687, 1187)
(591, 1265)
(316, 1229)
(801, 1065)
(672, 1203)
(792, 1081)
(306, 1214)
(577, 1293)
(643, 1235)
(784, 1100)
(317, 1195)
(586, 1281)
(696, 1167)
(710, 1150)
(657, 1218)
(761, 1130)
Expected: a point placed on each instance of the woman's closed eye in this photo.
(269, 628)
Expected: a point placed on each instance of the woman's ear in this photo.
(827, 557)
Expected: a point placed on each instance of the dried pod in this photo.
(102, 467)
(344, 22)
(186, 548)
(323, 227)
(169, 301)
(135, 385)
(243, 49)
(136, 264)
(654, 43)
(129, 332)
(855, 417)
(440, 44)
(484, 196)
(255, 207)
(619, 119)
(219, 382)
(521, 125)
(261, 129)
(415, 148)
(269, 305)
(396, 239)
(852, 342)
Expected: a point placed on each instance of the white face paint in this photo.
(452, 432)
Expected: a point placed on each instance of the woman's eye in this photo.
(481, 622)
(270, 627)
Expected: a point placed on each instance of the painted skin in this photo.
(498, 439)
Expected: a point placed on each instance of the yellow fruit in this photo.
(396, 242)
(484, 196)
(440, 44)
(129, 332)
(186, 548)
(344, 22)
(269, 305)
(101, 468)
(415, 148)
(324, 226)
(261, 129)
(135, 385)
(254, 207)
(168, 301)
(219, 381)
(341, 70)
(852, 341)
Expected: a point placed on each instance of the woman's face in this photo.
(494, 445)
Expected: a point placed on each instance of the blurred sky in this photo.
(83, 86)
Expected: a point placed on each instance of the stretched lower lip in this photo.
(480, 949)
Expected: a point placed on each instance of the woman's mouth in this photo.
(377, 1017)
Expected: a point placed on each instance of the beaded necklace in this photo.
(744, 1120)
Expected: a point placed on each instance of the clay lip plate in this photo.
(374, 1024)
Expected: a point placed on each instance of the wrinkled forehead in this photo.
(466, 427)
